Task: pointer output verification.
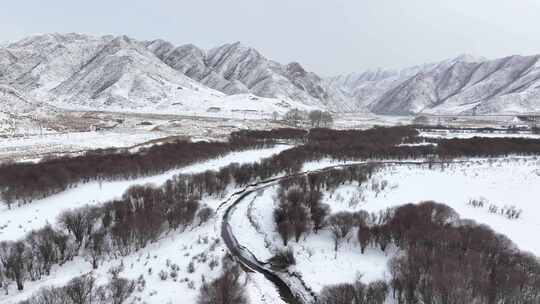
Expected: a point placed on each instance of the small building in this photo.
(213, 110)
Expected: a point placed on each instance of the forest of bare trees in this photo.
(143, 213)
(445, 260)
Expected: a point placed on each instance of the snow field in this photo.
(499, 182)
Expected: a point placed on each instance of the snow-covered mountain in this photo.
(235, 68)
(78, 71)
(116, 73)
(465, 84)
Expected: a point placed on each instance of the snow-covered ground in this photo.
(501, 182)
(179, 248)
(38, 145)
(260, 290)
(15, 223)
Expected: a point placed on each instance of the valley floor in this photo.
(184, 257)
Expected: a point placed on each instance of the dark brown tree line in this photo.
(481, 146)
(24, 182)
(118, 227)
(251, 137)
(451, 263)
(445, 260)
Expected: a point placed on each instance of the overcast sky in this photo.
(326, 36)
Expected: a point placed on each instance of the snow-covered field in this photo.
(136, 129)
(15, 223)
(179, 248)
(501, 182)
(32, 147)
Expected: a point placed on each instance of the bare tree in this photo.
(340, 224)
(75, 222)
(12, 256)
(315, 118)
(327, 119)
(96, 246)
(338, 294)
(79, 290)
(120, 290)
(364, 237)
(226, 289)
(294, 117)
(205, 214)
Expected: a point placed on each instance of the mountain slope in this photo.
(20, 114)
(115, 73)
(235, 68)
(462, 85)
(124, 74)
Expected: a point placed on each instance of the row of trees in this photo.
(315, 118)
(124, 225)
(250, 137)
(24, 182)
(481, 146)
(84, 290)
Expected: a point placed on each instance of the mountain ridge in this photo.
(118, 72)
